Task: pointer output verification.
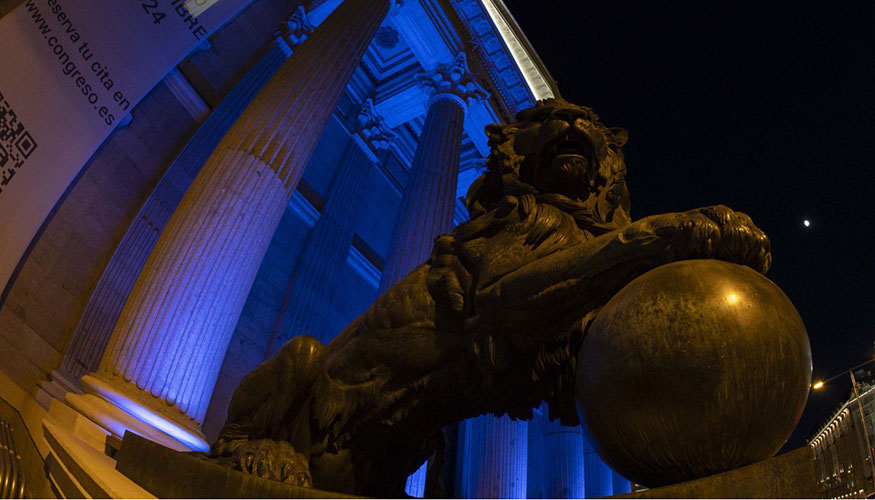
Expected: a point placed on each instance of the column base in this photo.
(56, 387)
(118, 413)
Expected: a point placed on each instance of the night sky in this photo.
(766, 109)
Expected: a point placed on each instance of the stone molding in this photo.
(187, 95)
(495, 47)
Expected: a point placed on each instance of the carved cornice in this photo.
(453, 79)
(508, 58)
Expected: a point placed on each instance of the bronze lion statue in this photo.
(491, 323)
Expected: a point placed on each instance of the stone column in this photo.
(104, 307)
(166, 350)
(557, 462)
(621, 484)
(493, 453)
(599, 477)
(429, 198)
(496, 458)
(312, 285)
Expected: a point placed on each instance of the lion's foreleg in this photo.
(268, 432)
(277, 460)
(598, 268)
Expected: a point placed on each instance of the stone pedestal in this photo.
(168, 345)
(79, 470)
(790, 475)
(169, 474)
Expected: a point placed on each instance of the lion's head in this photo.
(564, 155)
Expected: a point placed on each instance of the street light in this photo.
(820, 383)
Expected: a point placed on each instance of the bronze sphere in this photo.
(695, 368)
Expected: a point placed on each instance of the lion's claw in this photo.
(275, 460)
(720, 233)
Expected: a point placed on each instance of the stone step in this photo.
(63, 482)
(86, 467)
(78, 425)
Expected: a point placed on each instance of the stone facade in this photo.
(44, 302)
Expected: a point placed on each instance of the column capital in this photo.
(373, 129)
(453, 80)
(296, 29)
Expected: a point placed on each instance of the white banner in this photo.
(70, 70)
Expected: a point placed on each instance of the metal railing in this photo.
(11, 475)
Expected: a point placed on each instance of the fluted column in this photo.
(166, 350)
(91, 336)
(496, 460)
(556, 457)
(621, 485)
(429, 197)
(313, 282)
(599, 477)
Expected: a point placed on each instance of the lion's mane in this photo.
(604, 208)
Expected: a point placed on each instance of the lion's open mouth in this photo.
(567, 147)
(568, 165)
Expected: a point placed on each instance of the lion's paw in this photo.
(275, 460)
(718, 232)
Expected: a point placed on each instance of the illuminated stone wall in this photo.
(55, 280)
(44, 302)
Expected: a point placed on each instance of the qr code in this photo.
(16, 144)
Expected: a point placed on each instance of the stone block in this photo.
(23, 364)
(78, 425)
(790, 475)
(20, 343)
(88, 468)
(169, 474)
